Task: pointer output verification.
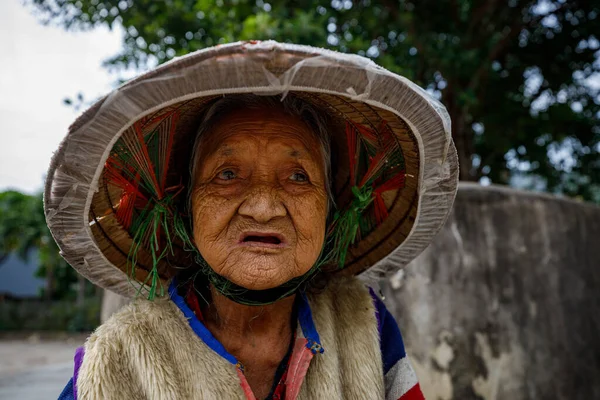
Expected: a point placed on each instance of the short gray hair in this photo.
(290, 104)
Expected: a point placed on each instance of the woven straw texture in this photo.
(81, 203)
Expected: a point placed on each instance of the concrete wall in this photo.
(505, 304)
(111, 303)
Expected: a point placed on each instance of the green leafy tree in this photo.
(23, 229)
(20, 224)
(514, 75)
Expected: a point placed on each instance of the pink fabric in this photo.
(301, 356)
(245, 385)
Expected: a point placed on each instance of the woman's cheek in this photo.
(311, 217)
(210, 215)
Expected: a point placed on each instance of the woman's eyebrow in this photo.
(225, 150)
(302, 153)
(296, 150)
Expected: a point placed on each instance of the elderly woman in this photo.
(254, 181)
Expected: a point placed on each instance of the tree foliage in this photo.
(514, 75)
(21, 224)
(23, 229)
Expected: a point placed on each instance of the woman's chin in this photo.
(261, 278)
(262, 282)
(257, 271)
(253, 271)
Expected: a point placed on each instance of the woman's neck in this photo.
(257, 336)
(238, 320)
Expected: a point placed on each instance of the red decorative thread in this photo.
(169, 149)
(131, 196)
(381, 212)
(375, 165)
(395, 182)
(128, 177)
(386, 133)
(148, 121)
(145, 162)
(352, 151)
(368, 135)
(385, 144)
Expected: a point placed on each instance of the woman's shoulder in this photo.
(346, 286)
(138, 318)
(339, 289)
(344, 298)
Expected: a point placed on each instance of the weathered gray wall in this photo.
(505, 304)
(111, 303)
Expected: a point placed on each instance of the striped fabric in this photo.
(400, 378)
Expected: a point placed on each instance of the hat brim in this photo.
(80, 203)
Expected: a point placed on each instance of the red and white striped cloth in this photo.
(400, 379)
(401, 382)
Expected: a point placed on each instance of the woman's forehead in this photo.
(272, 129)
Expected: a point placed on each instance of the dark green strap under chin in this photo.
(250, 297)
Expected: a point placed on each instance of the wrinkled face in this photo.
(260, 201)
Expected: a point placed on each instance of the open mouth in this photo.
(256, 239)
(262, 239)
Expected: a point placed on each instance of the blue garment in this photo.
(67, 393)
(392, 345)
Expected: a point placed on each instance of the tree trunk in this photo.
(463, 139)
(462, 142)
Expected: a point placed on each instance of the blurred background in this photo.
(506, 302)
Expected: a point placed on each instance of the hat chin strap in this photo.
(249, 297)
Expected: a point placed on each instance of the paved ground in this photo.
(35, 367)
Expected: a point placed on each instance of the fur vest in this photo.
(148, 351)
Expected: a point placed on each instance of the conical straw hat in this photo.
(84, 204)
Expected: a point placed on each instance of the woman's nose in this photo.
(262, 204)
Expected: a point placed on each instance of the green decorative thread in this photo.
(346, 223)
(157, 221)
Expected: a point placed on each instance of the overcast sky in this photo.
(39, 67)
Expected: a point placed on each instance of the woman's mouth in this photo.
(265, 240)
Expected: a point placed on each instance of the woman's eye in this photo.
(299, 177)
(226, 175)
